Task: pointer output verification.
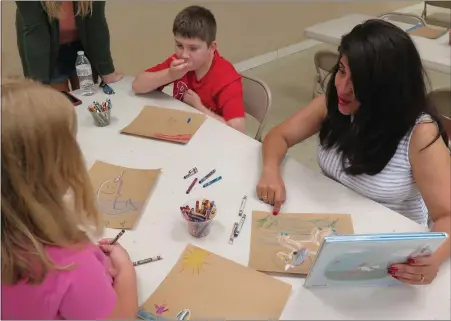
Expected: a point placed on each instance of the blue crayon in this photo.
(212, 181)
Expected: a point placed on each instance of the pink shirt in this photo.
(83, 292)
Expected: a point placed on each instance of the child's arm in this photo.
(127, 296)
(191, 98)
(231, 101)
(160, 75)
(238, 123)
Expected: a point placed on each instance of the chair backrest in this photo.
(257, 101)
(325, 61)
(441, 4)
(403, 17)
(441, 98)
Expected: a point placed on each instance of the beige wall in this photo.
(141, 32)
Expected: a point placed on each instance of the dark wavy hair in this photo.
(390, 84)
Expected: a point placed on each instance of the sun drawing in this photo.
(195, 260)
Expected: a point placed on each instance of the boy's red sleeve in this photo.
(230, 101)
(161, 66)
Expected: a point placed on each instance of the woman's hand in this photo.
(271, 189)
(113, 77)
(418, 270)
(117, 255)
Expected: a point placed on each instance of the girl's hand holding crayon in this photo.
(117, 255)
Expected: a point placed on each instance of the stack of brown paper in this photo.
(165, 124)
(205, 286)
(121, 192)
(288, 243)
(428, 32)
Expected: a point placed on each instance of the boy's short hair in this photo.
(195, 22)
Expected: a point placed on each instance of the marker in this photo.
(232, 236)
(212, 181)
(150, 259)
(243, 204)
(191, 186)
(188, 121)
(117, 237)
(191, 173)
(207, 176)
(240, 226)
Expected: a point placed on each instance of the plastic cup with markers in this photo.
(198, 215)
(101, 112)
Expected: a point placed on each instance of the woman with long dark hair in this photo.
(379, 136)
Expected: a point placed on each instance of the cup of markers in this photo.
(101, 112)
(198, 215)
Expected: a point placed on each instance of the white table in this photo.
(161, 230)
(435, 53)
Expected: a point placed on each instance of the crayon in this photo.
(212, 181)
(207, 176)
(191, 186)
(117, 237)
(148, 260)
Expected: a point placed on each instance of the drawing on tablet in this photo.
(289, 243)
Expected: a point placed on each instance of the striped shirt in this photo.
(393, 187)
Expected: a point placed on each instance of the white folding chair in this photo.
(257, 101)
(441, 19)
(325, 61)
(403, 17)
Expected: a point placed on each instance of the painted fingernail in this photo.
(411, 261)
(392, 270)
(275, 212)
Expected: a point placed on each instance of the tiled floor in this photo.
(291, 82)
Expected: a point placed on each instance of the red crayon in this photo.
(191, 186)
(197, 206)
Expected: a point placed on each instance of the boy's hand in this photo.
(178, 68)
(193, 99)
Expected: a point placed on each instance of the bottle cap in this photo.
(80, 52)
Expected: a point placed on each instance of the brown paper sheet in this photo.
(165, 124)
(287, 243)
(427, 32)
(121, 192)
(205, 286)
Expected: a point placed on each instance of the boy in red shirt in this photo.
(201, 77)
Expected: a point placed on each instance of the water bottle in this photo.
(84, 73)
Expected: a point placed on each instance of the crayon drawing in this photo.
(207, 284)
(195, 260)
(160, 309)
(149, 316)
(111, 201)
(121, 193)
(165, 124)
(184, 315)
(288, 243)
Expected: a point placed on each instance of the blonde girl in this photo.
(50, 33)
(50, 269)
